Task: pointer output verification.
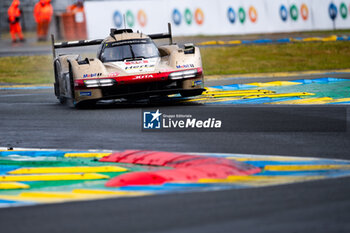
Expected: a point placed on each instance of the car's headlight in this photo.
(91, 83)
(99, 82)
(183, 74)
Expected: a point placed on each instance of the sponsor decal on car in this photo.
(140, 67)
(196, 83)
(114, 74)
(147, 76)
(136, 62)
(185, 66)
(145, 65)
(92, 75)
(85, 93)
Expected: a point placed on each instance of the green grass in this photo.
(240, 59)
(276, 58)
(26, 69)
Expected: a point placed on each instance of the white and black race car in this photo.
(128, 65)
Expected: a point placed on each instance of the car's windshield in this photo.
(129, 50)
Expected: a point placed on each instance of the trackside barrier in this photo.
(221, 17)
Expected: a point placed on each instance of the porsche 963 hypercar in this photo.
(128, 65)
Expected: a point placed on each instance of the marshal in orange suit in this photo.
(42, 14)
(14, 15)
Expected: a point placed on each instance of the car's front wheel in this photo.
(57, 69)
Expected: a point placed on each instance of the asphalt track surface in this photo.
(33, 118)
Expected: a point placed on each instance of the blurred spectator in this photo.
(14, 15)
(42, 14)
(78, 6)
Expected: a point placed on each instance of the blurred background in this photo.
(234, 36)
(27, 6)
(188, 17)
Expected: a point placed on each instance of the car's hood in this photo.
(123, 68)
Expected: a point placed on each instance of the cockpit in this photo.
(129, 50)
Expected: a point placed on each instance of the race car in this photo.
(128, 66)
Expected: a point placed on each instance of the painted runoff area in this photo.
(302, 91)
(33, 176)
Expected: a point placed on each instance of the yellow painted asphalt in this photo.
(75, 195)
(46, 177)
(86, 155)
(13, 185)
(276, 95)
(274, 84)
(109, 192)
(56, 170)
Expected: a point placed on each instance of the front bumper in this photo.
(141, 90)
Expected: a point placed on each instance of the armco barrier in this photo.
(221, 17)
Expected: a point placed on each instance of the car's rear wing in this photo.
(71, 44)
(163, 35)
(80, 43)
